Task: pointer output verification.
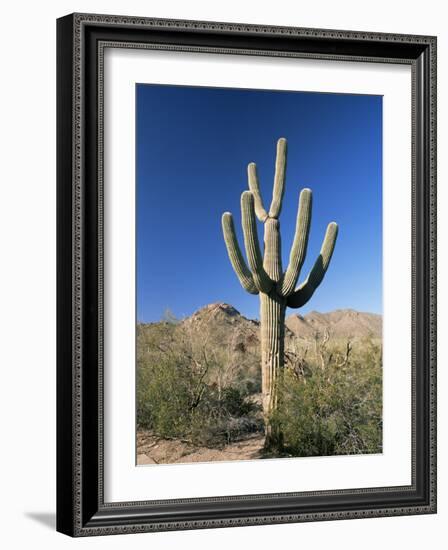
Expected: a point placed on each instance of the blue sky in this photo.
(193, 147)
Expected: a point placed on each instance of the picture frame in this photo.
(81, 506)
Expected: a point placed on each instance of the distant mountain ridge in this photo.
(340, 323)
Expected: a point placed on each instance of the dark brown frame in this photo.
(81, 39)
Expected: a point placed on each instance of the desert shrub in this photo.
(233, 402)
(251, 385)
(188, 390)
(225, 416)
(334, 409)
(170, 404)
(163, 397)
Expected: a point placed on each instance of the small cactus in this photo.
(265, 276)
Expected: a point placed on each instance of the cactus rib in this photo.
(304, 292)
(235, 256)
(272, 261)
(279, 179)
(253, 253)
(254, 186)
(298, 250)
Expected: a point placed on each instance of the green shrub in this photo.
(333, 410)
(176, 401)
(163, 397)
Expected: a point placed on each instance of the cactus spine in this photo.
(265, 276)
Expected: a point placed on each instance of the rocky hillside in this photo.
(341, 323)
(222, 324)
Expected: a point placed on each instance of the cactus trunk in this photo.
(272, 326)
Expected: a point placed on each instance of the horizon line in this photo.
(182, 318)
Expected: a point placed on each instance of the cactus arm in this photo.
(254, 186)
(279, 179)
(298, 250)
(235, 256)
(261, 279)
(272, 261)
(304, 292)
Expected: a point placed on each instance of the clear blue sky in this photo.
(193, 147)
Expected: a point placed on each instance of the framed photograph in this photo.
(246, 274)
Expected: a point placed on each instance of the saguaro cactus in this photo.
(264, 276)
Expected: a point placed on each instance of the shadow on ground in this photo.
(48, 519)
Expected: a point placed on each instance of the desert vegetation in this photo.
(195, 381)
(199, 385)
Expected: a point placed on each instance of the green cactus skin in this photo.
(272, 337)
(265, 276)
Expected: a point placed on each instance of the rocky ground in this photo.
(154, 450)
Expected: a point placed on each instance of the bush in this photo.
(176, 401)
(333, 410)
(163, 397)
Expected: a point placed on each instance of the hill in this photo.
(221, 328)
(341, 323)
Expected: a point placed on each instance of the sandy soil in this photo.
(153, 450)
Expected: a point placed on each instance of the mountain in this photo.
(223, 322)
(219, 312)
(224, 325)
(341, 323)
